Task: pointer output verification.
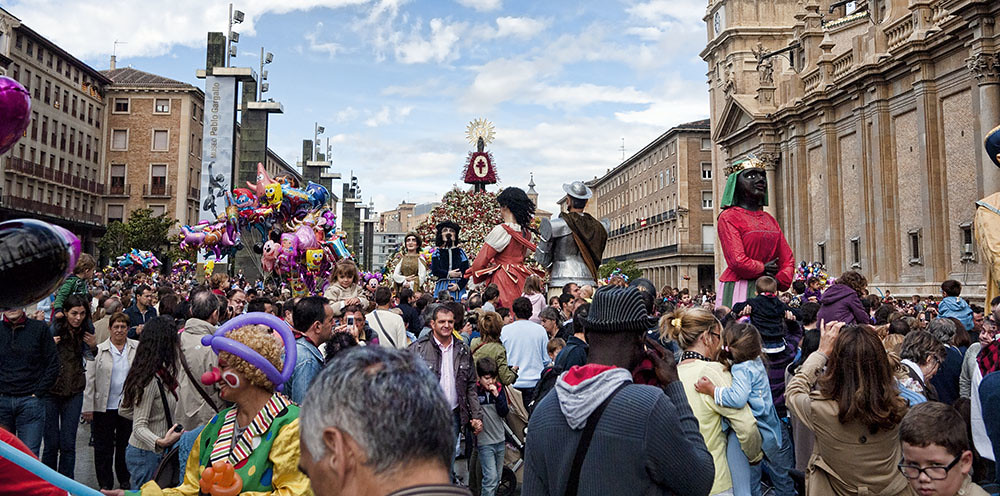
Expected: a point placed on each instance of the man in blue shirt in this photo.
(313, 317)
(526, 344)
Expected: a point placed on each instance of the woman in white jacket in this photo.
(101, 399)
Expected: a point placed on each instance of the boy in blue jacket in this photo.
(952, 305)
(491, 442)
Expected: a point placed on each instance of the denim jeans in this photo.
(746, 477)
(491, 459)
(141, 465)
(24, 417)
(62, 419)
(779, 463)
(739, 468)
(186, 444)
(457, 424)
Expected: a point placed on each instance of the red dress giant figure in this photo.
(501, 259)
(751, 239)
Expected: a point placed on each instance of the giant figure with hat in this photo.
(572, 246)
(449, 262)
(752, 242)
(987, 223)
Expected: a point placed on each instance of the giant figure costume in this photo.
(987, 223)
(449, 257)
(572, 245)
(752, 242)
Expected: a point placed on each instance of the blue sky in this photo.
(395, 82)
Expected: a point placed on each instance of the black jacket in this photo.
(411, 317)
(447, 259)
(767, 314)
(574, 353)
(28, 361)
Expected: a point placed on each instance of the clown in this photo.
(751, 239)
(449, 262)
(253, 446)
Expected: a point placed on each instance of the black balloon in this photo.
(35, 257)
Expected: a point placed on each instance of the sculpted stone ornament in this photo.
(765, 66)
(985, 67)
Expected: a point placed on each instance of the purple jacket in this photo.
(841, 303)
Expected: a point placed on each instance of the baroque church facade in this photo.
(869, 116)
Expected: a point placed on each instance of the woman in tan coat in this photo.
(854, 412)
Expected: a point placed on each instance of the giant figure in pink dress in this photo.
(501, 259)
(751, 239)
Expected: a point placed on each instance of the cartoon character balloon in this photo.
(15, 112)
(36, 257)
(313, 259)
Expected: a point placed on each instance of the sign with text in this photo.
(218, 144)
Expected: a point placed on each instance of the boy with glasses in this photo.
(936, 456)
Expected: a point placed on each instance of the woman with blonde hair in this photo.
(697, 332)
(533, 292)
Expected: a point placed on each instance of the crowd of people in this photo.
(810, 391)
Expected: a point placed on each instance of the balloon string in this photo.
(33, 465)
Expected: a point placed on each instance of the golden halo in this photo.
(480, 128)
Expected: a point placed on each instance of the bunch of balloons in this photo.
(806, 270)
(138, 260)
(300, 242)
(371, 280)
(182, 266)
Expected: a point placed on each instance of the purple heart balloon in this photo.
(15, 112)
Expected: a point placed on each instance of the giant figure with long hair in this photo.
(501, 259)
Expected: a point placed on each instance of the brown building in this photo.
(54, 172)
(658, 204)
(871, 123)
(154, 145)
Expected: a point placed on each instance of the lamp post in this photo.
(317, 130)
(235, 17)
(264, 59)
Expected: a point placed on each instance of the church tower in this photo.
(532, 194)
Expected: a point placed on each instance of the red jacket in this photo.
(16, 480)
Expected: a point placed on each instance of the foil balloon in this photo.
(209, 267)
(15, 112)
(35, 257)
(340, 249)
(272, 194)
(269, 255)
(314, 258)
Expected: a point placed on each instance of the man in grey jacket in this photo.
(192, 409)
(645, 440)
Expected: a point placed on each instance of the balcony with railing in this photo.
(120, 190)
(157, 190)
(38, 171)
(43, 208)
(193, 193)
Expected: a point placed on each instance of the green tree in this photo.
(626, 267)
(142, 230)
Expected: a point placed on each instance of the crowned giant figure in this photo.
(572, 245)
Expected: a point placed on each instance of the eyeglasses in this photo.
(933, 473)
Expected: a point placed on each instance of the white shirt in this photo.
(394, 328)
(119, 371)
(980, 440)
(448, 372)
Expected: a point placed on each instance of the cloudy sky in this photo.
(395, 82)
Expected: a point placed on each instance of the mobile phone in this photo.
(178, 428)
(350, 320)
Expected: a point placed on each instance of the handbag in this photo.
(168, 472)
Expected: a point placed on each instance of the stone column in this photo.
(986, 68)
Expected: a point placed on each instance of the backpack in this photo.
(545, 384)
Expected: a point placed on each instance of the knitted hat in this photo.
(616, 309)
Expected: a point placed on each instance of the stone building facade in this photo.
(154, 145)
(659, 206)
(54, 172)
(871, 124)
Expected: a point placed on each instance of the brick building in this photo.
(154, 145)
(871, 124)
(54, 172)
(658, 204)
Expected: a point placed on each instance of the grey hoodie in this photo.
(578, 402)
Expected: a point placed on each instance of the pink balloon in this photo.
(15, 112)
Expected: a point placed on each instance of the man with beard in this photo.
(449, 262)
(572, 245)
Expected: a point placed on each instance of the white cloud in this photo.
(326, 47)
(387, 115)
(439, 46)
(689, 12)
(347, 114)
(672, 104)
(482, 5)
(183, 22)
(519, 27)
(647, 33)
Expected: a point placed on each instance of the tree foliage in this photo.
(142, 230)
(626, 267)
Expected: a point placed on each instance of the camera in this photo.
(350, 320)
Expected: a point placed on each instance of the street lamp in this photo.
(264, 59)
(317, 130)
(235, 17)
